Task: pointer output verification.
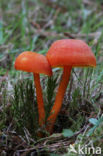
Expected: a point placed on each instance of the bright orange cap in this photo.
(70, 52)
(33, 62)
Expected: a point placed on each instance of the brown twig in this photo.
(53, 142)
(67, 34)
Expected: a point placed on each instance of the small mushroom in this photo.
(67, 53)
(35, 63)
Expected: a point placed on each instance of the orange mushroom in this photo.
(35, 63)
(67, 53)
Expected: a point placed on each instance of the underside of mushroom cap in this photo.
(33, 62)
(70, 52)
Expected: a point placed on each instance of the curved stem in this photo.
(40, 102)
(59, 98)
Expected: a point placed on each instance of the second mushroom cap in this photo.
(70, 52)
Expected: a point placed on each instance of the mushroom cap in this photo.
(70, 52)
(33, 62)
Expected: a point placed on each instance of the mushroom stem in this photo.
(40, 102)
(59, 98)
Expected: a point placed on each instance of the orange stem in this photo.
(59, 98)
(40, 102)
